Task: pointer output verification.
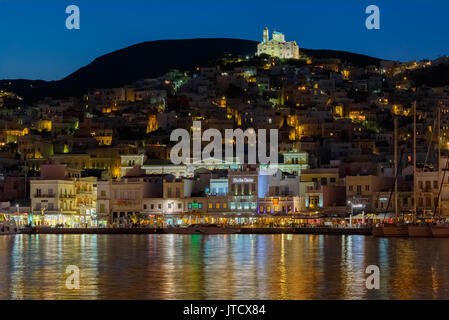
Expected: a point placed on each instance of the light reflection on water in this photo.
(222, 267)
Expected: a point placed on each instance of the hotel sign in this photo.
(242, 180)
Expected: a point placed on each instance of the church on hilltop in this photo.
(278, 47)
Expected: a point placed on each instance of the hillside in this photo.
(152, 59)
(433, 77)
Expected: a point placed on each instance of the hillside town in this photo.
(103, 159)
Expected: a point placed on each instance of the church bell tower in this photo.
(265, 34)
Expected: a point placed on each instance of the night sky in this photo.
(34, 43)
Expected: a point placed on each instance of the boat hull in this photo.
(395, 231)
(419, 231)
(7, 228)
(440, 232)
(377, 231)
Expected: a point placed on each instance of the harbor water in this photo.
(237, 266)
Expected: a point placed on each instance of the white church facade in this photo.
(277, 46)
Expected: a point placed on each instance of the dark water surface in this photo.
(222, 267)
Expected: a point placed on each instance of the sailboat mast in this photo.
(396, 167)
(415, 200)
(439, 157)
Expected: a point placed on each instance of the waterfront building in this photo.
(278, 205)
(175, 191)
(121, 199)
(363, 191)
(62, 196)
(53, 201)
(86, 200)
(384, 202)
(19, 213)
(104, 201)
(196, 205)
(428, 193)
(243, 188)
(217, 204)
(318, 188)
(125, 199)
(153, 206)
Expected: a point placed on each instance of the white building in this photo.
(60, 196)
(53, 201)
(277, 46)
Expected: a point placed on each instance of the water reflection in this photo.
(222, 267)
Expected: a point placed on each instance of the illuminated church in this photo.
(278, 47)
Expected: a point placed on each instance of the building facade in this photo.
(277, 46)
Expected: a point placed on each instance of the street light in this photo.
(358, 205)
(18, 213)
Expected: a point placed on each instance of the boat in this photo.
(395, 230)
(204, 228)
(8, 227)
(419, 230)
(440, 231)
(377, 231)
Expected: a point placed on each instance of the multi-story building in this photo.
(320, 188)
(119, 200)
(61, 196)
(86, 199)
(243, 188)
(363, 191)
(432, 191)
(278, 205)
(53, 202)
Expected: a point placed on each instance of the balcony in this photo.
(37, 210)
(36, 195)
(314, 189)
(83, 191)
(126, 202)
(67, 196)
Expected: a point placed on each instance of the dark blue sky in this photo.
(34, 43)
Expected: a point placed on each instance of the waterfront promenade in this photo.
(242, 230)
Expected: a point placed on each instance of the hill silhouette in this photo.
(152, 59)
